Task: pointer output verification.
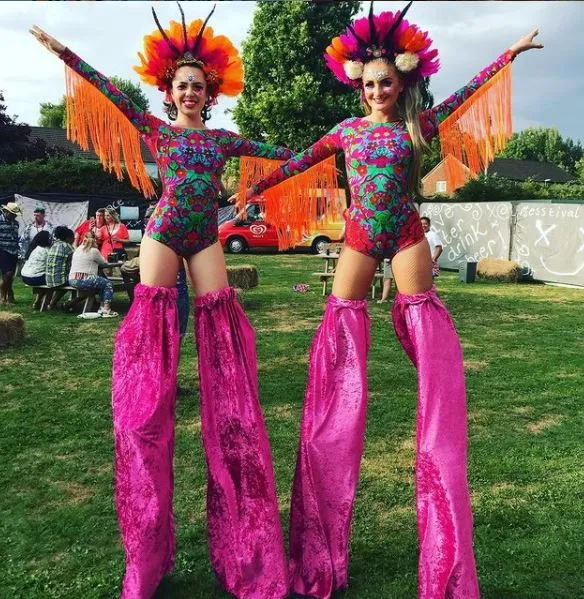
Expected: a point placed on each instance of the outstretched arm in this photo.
(326, 146)
(430, 119)
(140, 119)
(236, 145)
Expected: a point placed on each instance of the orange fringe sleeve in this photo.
(299, 205)
(92, 116)
(478, 129)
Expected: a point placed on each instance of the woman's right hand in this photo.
(48, 41)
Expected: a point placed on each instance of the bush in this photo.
(487, 188)
(65, 175)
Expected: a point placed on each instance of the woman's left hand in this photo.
(526, 43)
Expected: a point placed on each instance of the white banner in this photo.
(69, 214)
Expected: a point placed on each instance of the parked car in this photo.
(240, 234)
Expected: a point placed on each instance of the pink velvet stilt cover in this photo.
(245, 535)
(330, 449)
(446, 562)
(143, 401)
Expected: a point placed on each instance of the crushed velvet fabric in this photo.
(143, 401)
(330, 449)
(245, 535)
(446, 563)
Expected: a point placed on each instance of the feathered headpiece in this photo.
(92, 117)
(167, 50)
(387, 35)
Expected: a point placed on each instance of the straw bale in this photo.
(11, 328)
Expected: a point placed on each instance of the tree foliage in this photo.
(55, 115)
(544, 145)
(290, 97)
(432, 156)
(488, 188)
(15, 143)
(133, 90)
(62, 174)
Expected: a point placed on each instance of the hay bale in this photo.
(11, 328)
(244, 276)
(496, 269)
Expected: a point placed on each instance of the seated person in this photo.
(59, 263)
(113, 235)
(34, 270)
(83, 276)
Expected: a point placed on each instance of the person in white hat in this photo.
(8, 250)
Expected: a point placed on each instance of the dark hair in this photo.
(172, 111)
(63, 233)
(100, 211)
(426, 218)
(42, 239)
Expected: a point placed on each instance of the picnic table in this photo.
(330, 257)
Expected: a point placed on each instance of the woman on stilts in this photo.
(191, 66)
(389, 60)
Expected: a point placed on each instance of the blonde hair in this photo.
(113, 214)
(88, 242)
(409, 106)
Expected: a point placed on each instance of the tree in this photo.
(544, 145)
(580, 169)
(432, 157)
(15, 145)
(290, 97)
(133, 90)
(54, 115)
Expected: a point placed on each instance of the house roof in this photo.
(55, 136)
(521, 170)
(448, 157)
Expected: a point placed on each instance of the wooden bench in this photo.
(330, 255)
(47, 292)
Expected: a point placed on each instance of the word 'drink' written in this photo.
(473, 244)
(471, 231)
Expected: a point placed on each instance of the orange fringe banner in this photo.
(299, 205)
(479, 129)
(92, 116)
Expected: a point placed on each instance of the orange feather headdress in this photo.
(167, 50)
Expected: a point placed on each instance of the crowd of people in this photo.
(55, 259)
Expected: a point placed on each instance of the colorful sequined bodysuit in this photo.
(190, 163)
(382, 218)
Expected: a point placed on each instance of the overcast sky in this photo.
(548, 85)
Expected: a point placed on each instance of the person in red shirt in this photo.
(91, 225)
(113, 235)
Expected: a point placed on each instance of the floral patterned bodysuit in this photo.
(382, 218)
(190, 163)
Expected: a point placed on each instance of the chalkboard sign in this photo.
(549, 241)
(470, 231)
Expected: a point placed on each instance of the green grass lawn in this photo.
(524, 356)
